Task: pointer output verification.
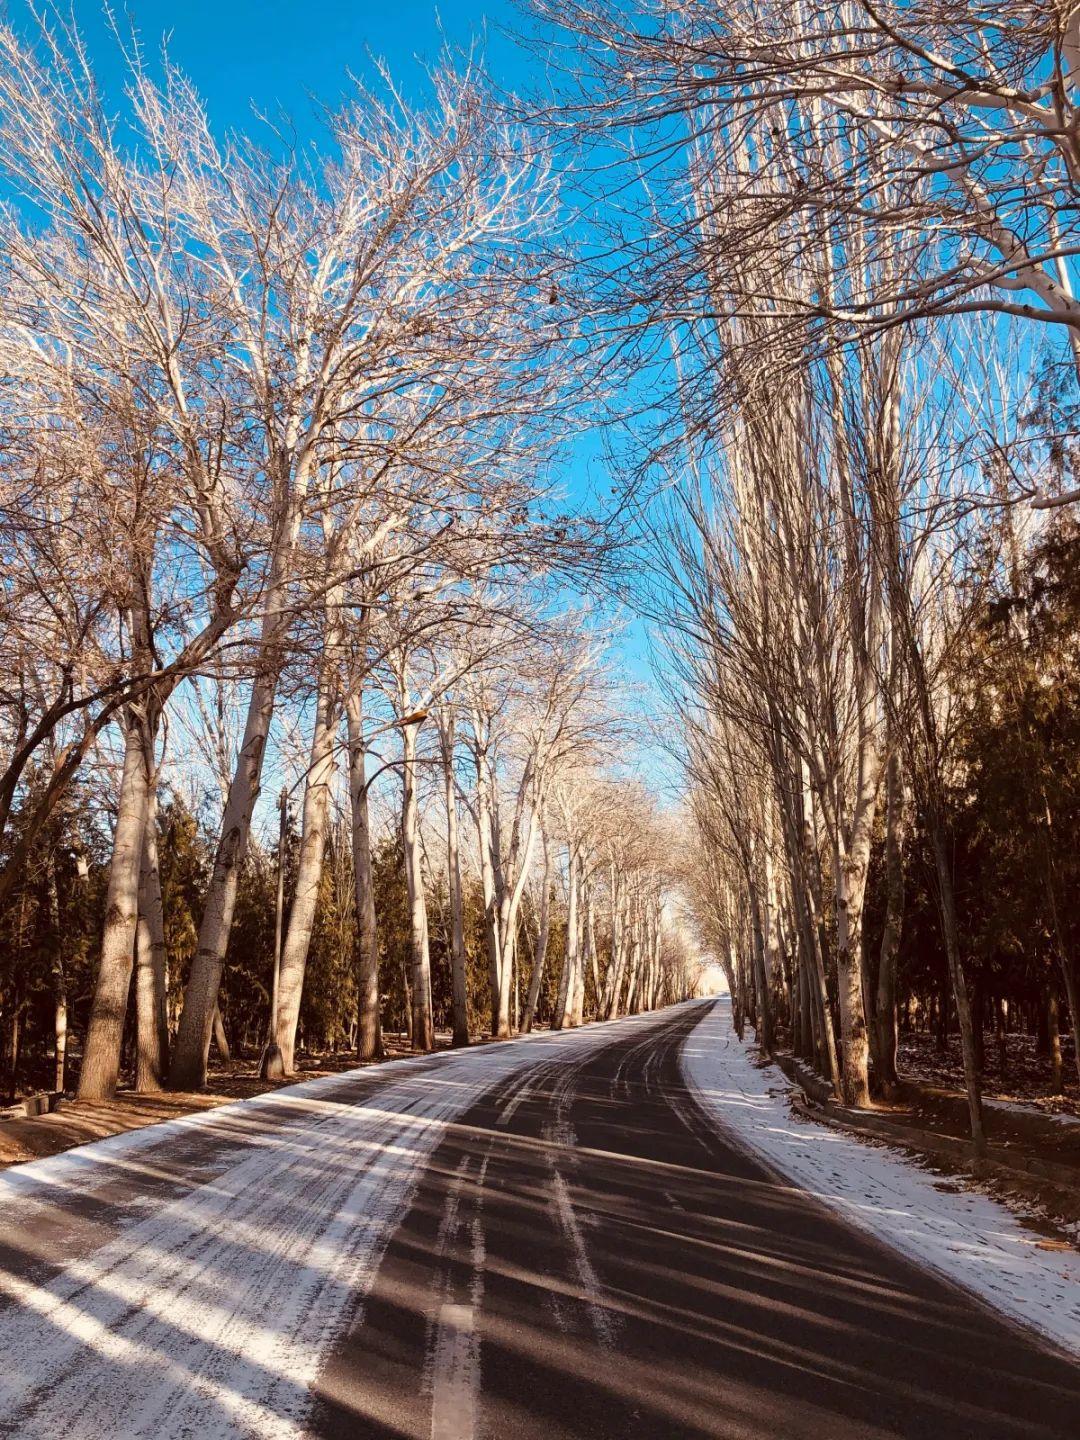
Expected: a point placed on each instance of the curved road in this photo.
(581, 1254)
(586, 1256)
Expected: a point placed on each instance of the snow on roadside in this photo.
(210, 1312)
(1029, 1108)
(966, 1236)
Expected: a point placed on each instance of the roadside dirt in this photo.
(1033, 1165)
(1024, 1082)
(78, 1122)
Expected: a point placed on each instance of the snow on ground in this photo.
(1031, 1107)
(208, 1312)
(966, 1236)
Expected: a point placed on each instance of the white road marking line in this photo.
(590, 1281)
(457, 1375)
(456, 1367)
(508, 1112)
(213, 1312)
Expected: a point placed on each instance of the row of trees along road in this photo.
(276, 427)
(856, 239)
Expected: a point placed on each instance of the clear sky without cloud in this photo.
(273, 57)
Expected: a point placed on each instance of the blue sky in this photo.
(278, 53)
(272, 56)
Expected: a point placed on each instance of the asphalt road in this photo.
(585, 1256)
(580, 1254)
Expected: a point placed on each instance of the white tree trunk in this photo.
(308, 870)
(59, 980)
(484, 822)
(617, 965)
(509, 910)
(577, 1015)
(851, 861)
(457, 918)
(423, 1031)
(151, 1020)
(221, 1040)
(101, 1059)
(369, 1039)
(763, 1024)
(634, 965)
(564, 1010)
(590, 944)
(188, 1070)
(885, 1019)
(540, 957)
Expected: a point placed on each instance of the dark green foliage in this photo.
(328, 1009)
(1013, 796)
(77, 843)
(392, 912)
(45, 943)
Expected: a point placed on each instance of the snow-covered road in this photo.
(203, 1306)
(550, 1239)
(962, 1234)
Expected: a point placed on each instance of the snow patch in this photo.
(1029, 1108)
(963, 1235)
(211, 1314)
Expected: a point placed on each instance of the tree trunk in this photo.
(895, 829)
(771, 933)
(151, 1019)
(188, 1070)
(509, 943)
(507, 956)
(617, 960)
(459, 991)
(577, 1014)
(369, 1038)
(1054, 1036)
(484, 822)
(308, 871)
(807, 1027)
(423, 1031)
(510, 874)
(221, 1040)
(632, 1006)
(811, 889)
(271, 1066)
(564, 1009)
(1072, 995)
(101, 1058)
(517, 986)
(590, 945)
(57, 975)
(731, 971)
(653, 994)
(850, 877)
(947, 904)
(763, 1018)
(406, 991)
(540, 956)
